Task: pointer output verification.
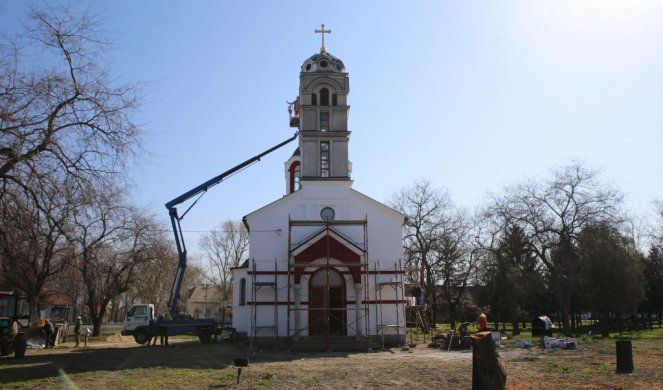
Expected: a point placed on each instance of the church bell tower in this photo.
(323, 117)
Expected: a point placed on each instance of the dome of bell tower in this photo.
(323, 62)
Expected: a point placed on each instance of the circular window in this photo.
(338, 67)
(308, 66)
(327, 214)
(324, 63)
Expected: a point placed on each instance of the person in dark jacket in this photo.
(418, 294)
(163, 332)
(48, 330)
(77, 330)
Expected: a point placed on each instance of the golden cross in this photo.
(322, 31)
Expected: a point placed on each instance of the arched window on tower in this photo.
(324, 97)
(295, 174)
(242, 292)
(334, 100)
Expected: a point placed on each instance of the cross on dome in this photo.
(322, 31)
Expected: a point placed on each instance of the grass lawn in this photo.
(118, 363)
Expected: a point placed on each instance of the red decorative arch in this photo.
(328, 246)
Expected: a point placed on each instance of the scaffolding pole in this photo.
(396, 283)
(264, 285)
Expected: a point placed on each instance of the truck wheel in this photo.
(141, 336)
(5, 347)
(204, 336)
(20, 345)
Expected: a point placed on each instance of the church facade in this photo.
(325, 259)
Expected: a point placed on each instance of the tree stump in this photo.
(624, 356)
(488, 371)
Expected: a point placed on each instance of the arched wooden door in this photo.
(327, 303)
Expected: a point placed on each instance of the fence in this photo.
(106, 329)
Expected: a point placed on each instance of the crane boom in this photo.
(177, 228)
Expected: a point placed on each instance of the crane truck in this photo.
(139, 316)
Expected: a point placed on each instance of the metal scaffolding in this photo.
(354, 312)
(260, 280)
(396, 283)
(361, 325)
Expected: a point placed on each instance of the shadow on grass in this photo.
(40, 364)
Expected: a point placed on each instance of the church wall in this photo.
(339, 166)
(269, 241)
(339, 121)
(241, 313)
(309, 119)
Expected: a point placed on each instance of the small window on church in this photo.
(324, 121)
(242, 292)
(298, 174)
(324, 159)
(314, 100)
(334, 100)
(324, 97)
(295, 173)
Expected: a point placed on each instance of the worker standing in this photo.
(163, 332)
(48, 330)
(155, 330)
(418, 294)
(77, 330)
(482, 321)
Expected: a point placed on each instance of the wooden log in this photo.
(624, 356)
(488, 371)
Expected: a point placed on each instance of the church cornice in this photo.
(314, 82)
(324, 134)
(318, 178)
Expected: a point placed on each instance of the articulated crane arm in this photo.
(177, 229)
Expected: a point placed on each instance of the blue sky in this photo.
(470, 95)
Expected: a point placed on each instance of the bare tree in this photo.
(657, 227)
(33, 247)
(65, 130)
(552, 214)
(225, 247)
(154, 276)
(111, 241)
(436, 244)
(63, 115)
(455, 262)
(426, 212)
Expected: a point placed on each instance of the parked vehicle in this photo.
(14, 317)
(137, 324)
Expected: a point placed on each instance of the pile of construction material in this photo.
(460, 339)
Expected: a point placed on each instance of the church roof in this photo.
(323, 62)
(298, 194)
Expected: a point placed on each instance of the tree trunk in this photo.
(566, 326)
(488, 371)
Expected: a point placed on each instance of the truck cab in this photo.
(137, 322)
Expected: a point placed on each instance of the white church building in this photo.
(324, 260)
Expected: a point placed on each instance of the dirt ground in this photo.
(119, 363)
